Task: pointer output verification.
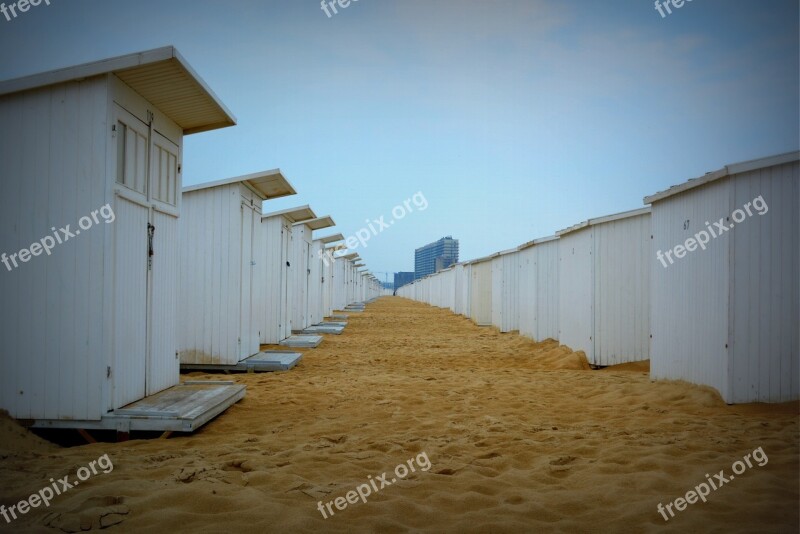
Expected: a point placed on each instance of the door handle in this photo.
(151, 231)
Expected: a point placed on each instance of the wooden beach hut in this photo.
(277, 292)
(223, 267)
(91, 164)
(726, 314)
(604, 287)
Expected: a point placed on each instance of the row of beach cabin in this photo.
(665, 283)
(113, 274)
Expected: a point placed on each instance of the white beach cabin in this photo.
(505, 290)
(328, 246)
(278, 289)
(604, 288)
(480, 291)
(224, 267)
(307, 276)
(90, 326)
(538, 289)
(727, 314)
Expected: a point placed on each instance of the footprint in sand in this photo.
(94, 513)
(560, 465)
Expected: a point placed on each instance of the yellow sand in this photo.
(521, 437)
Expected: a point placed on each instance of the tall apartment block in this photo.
(402, 278)
(435, 256)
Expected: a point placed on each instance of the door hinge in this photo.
(150, 117)
(108, 371)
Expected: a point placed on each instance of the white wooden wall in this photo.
(727, 317)
(576, 285)
(301, 250)
(340, 284)
(316, 286)
(547, 290)
(689, 340)
(622, 254)
(216, 298)
(764, 346)
(328, 285)
(481, 293)
(62, 322)
(53, 322)
(275, 295)
(505, 290)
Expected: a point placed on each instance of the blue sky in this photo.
(514, 118)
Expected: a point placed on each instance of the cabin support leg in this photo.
(85, 435)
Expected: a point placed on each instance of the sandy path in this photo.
(519, 437)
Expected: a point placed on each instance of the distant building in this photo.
(436, 256)
(401, 279)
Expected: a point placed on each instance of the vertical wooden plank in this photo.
(28, 230)
(14, 173)
(67, 270)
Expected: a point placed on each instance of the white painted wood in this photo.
(130, 311)
(248, 333)
(481, 293)
(505, 291)
(546, 305)
(219, 266)
(108, 321)
(316, 289)
(301, 274)
(727, 316)
(276, 299)
(621, 294)
(163, 364)
(576, 284)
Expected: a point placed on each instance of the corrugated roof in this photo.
(162, 76)
(728, 170)
(266, 184)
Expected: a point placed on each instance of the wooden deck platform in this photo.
(302, 341)
(182, 408)
(263, 362)
(324, 329)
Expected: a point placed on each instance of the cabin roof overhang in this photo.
(267, 184)
(161, 76)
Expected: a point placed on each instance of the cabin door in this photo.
(248, 335)
(144, 342)
(286, 286)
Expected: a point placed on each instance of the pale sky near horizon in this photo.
(514, 118)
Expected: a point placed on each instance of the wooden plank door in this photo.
(128, 362)
(286, 285)
(163, 365)
(248, 335)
